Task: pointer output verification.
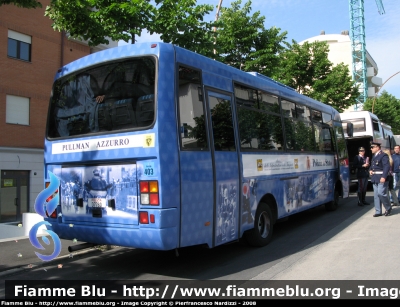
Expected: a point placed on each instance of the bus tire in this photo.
(333, 204)
(261, 234)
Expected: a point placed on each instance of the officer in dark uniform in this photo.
(379, 172)
(361, 163)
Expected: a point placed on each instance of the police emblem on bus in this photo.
(259, 165)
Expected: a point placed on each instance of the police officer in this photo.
(379, 172)
(396, 171)
(361, 163)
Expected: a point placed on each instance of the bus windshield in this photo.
(108, 97)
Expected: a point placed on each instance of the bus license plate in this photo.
(97, 202)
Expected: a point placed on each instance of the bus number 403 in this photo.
(148, 171)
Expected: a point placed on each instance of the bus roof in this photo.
(358, 114)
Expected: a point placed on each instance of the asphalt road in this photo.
(347, 244)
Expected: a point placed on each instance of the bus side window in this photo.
(327, 139)
(298, 128)
(191, 110)
(259, 119)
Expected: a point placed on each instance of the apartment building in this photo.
(30, 54)
(340, 51)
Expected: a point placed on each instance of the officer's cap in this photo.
(361, 149)
(373, 144)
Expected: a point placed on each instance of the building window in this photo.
(19, 46)
(17, 110)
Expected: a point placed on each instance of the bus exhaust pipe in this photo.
(78, 247)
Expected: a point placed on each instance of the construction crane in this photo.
(357, 37)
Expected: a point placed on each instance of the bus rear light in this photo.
(149, 193)
(144, 186)
(51, 196)
(245, 189)
(143, 217)
(144, 198)
(53, 215)
(154, 199)
(152, 218)
(153, 186)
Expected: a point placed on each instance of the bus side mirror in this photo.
(349, 129)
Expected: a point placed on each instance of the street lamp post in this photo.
(216, 19)
(373, 103)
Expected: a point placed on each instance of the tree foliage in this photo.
(307, 69)
(95, 20)
(243, 42)
(302, 65)
(28, 4)
(386, 107)
(337, 89)
(181, 22)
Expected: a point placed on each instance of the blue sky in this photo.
(303, 19)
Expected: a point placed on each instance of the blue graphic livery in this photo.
(35, 242)
(46, 201)
(157, 147)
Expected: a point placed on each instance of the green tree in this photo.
(306, 68)
(302, 65)
(386, 107)
(337, 89)
(243, 42)
(28, 4)
(95, 20)
(181, 22)
(177, 21)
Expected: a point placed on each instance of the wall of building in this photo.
(31, 79)
(21, 146)
(339, 48)
(25, 159)
(340, 51)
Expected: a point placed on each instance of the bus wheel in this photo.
(333, 204)
(261, 234)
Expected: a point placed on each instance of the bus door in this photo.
(342, 158)
(225, 164)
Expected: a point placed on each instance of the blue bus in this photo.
(157, 147)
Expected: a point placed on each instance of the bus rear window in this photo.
(115, 96)
(358, 125)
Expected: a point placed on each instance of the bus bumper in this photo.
(145, 238)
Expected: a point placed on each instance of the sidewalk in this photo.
(359, 248)
(17, 252)
(10, 231)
